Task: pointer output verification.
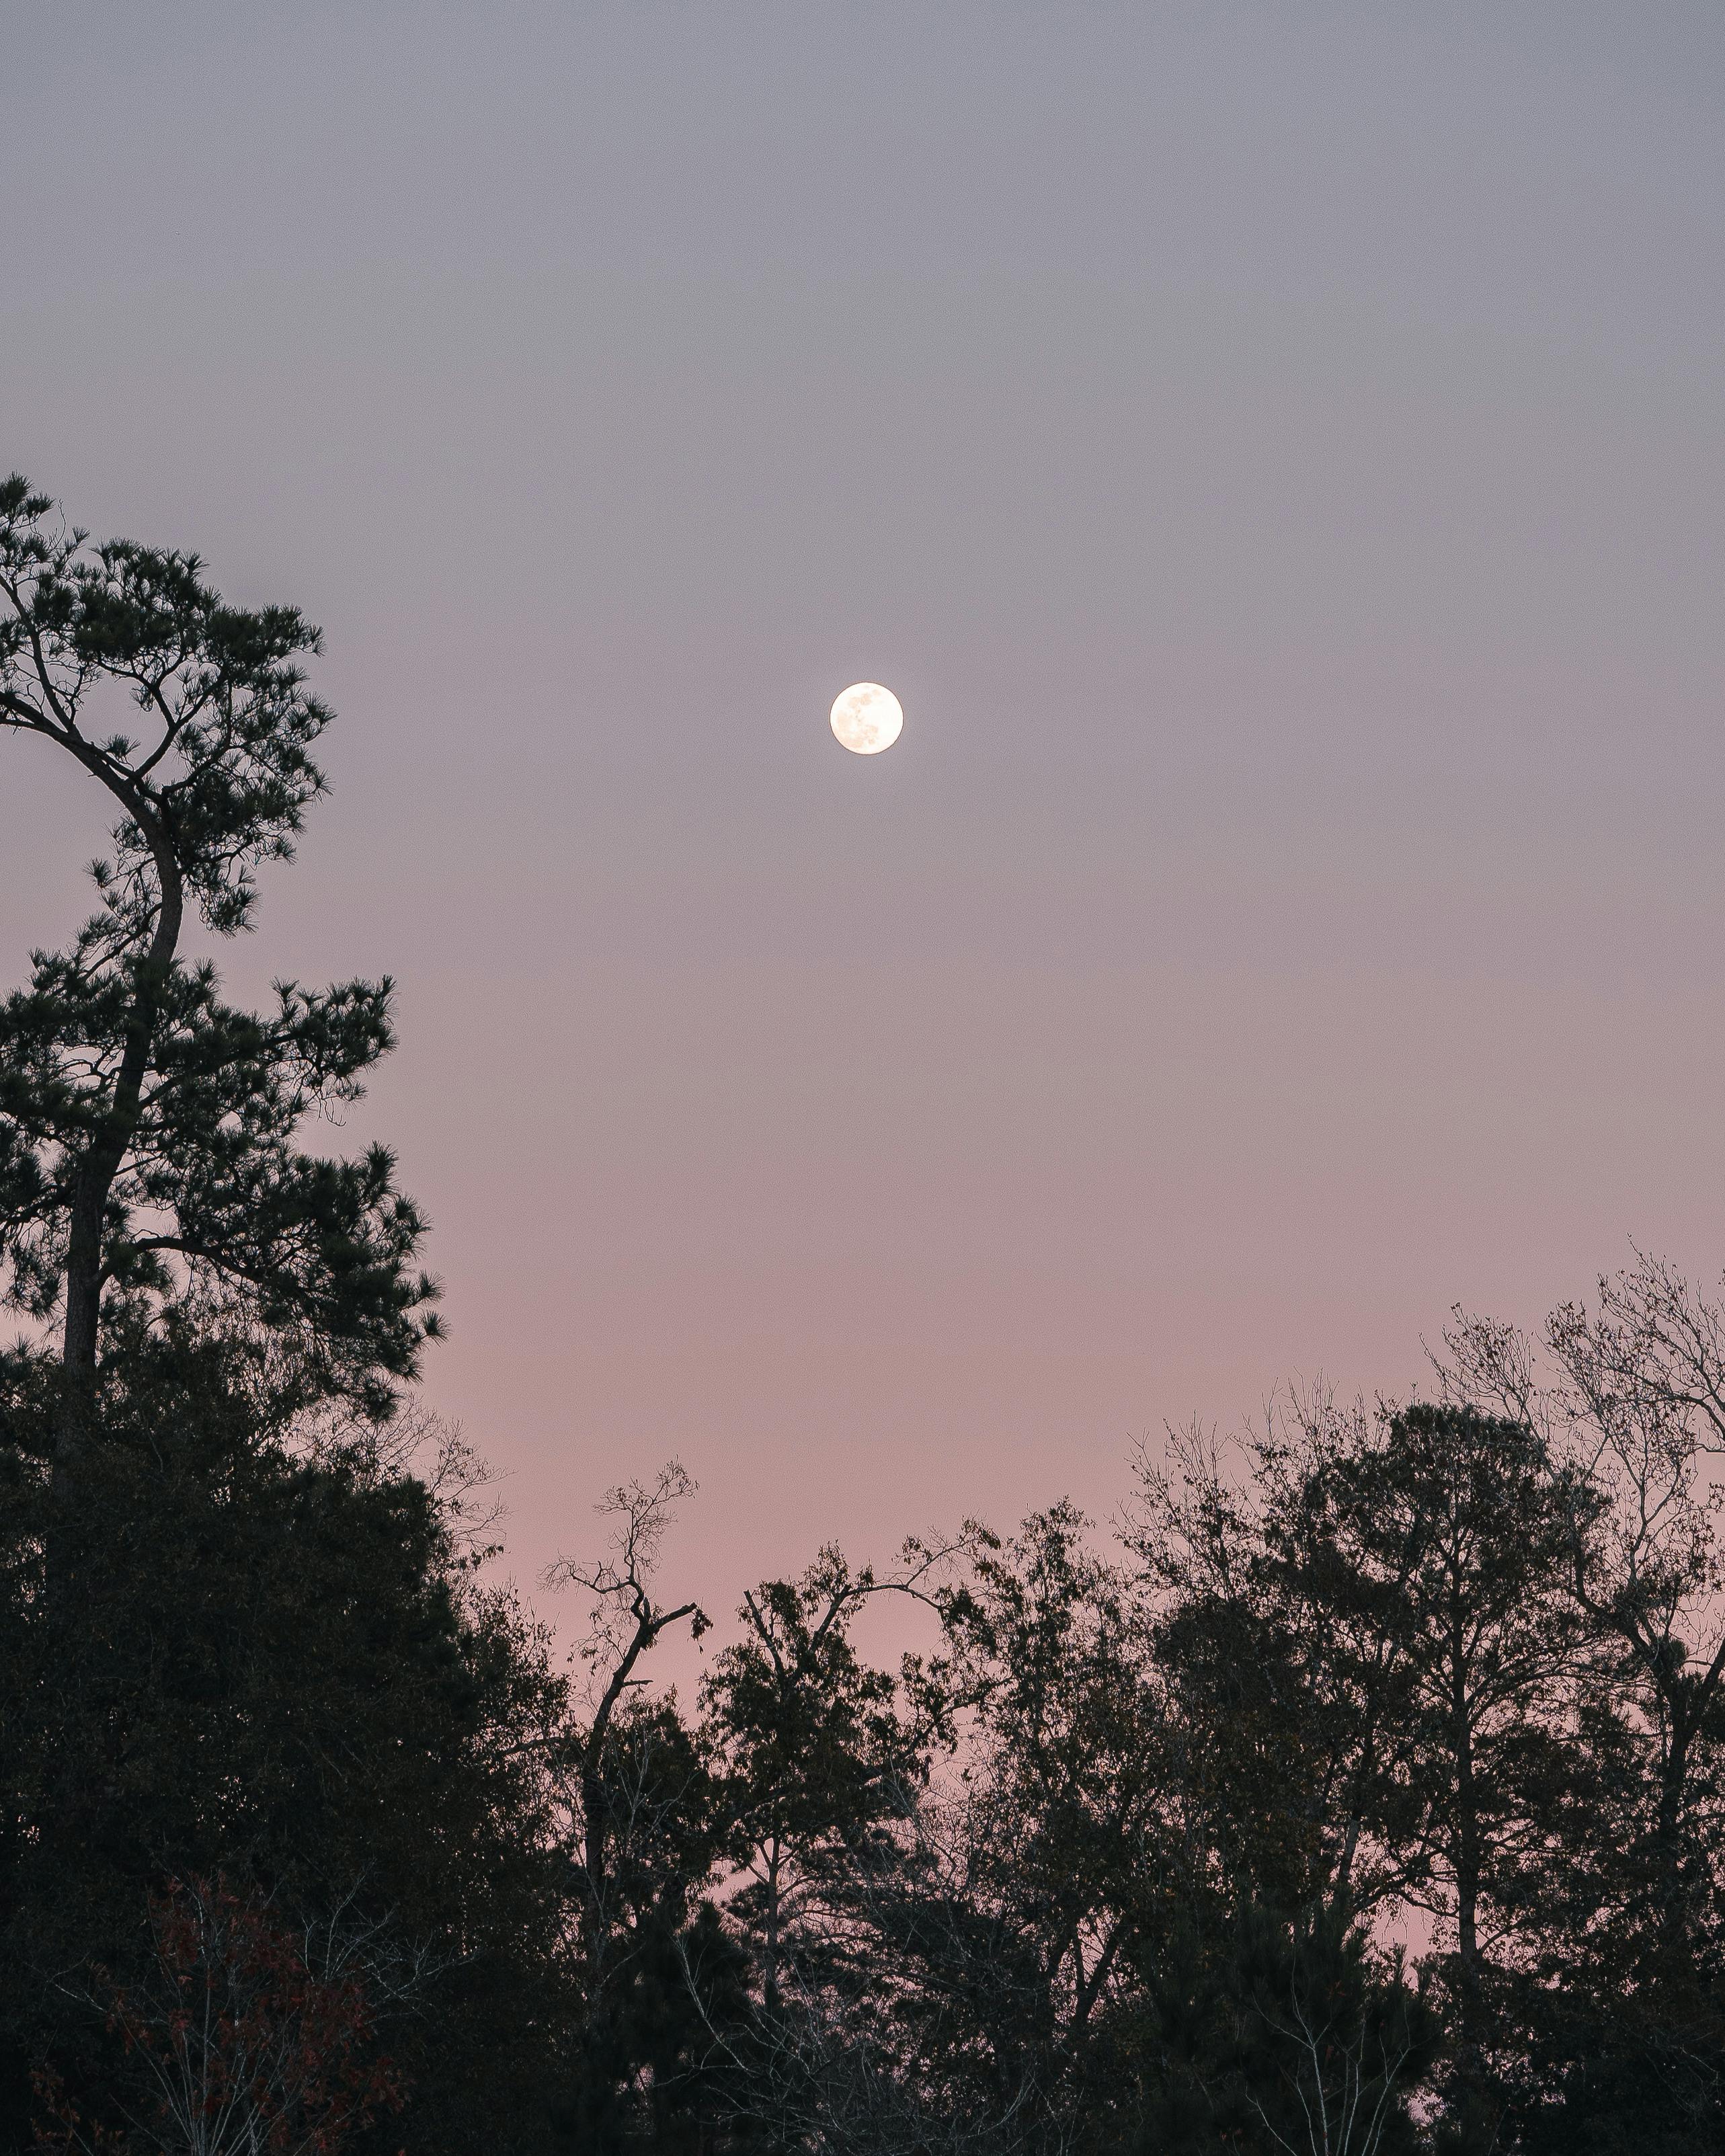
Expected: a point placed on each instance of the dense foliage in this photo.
(1362, 1793)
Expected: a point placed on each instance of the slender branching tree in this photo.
(151, 1174)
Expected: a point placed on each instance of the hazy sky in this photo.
(1276, 455)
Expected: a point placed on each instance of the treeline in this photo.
(1116, 1863)
(311, 1840)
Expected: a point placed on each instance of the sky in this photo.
(1275, 454)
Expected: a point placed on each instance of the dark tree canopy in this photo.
(149, 1131)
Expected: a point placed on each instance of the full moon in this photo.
(868, 718)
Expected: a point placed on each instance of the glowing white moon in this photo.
(868, 718)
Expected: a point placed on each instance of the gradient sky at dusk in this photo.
(1277, 455)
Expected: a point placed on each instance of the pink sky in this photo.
(1275, 455)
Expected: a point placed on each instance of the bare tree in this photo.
(416, 1441)
(1630, 1394)
(245, 2037)
(906, 1994)
(626, 1621)
(1349, 2093)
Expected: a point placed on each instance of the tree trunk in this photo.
(1469, 1865)
(769, 1985)
(1673, 1780)
(593, 1804)
(95, 1179)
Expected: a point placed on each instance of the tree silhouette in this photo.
(149, 1168)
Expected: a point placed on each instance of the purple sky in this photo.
(1276, 455)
